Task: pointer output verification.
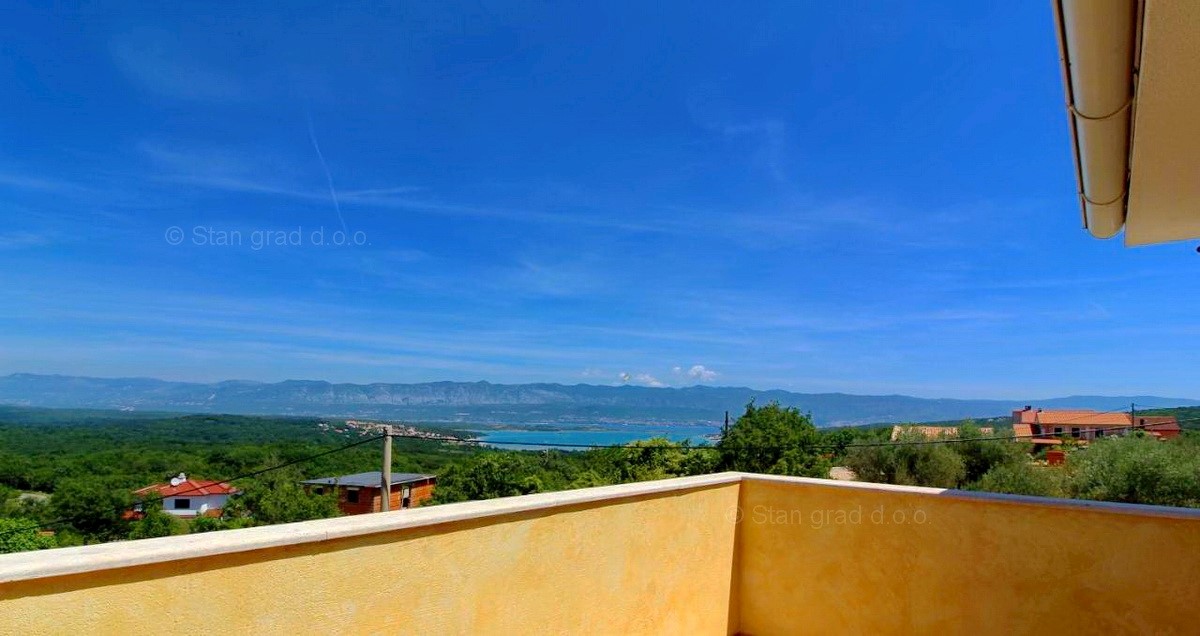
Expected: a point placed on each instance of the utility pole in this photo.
(385, 503)
(1132, 418)
(725, 430)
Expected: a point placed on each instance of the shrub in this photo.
(1023, 478)
(19, 534)
(1137, 469)
(936, 465)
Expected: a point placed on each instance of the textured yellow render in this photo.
(824, 559)
(656, 564)
(717, 554)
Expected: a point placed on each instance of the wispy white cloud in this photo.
(641, 379)
(771, 136)
(16, 240)
(240, 320)
(244, 172)
(696, 373)
(156, 62)
(556, 278)
(382, 192)
(222, 169)
(43, 184)
(790, 220)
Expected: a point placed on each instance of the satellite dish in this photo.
(179, 479)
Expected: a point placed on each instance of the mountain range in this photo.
(484, 402)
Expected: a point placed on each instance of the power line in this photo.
(256, 473)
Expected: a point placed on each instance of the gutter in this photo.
(1099, 43)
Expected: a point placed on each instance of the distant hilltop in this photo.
(510, 403)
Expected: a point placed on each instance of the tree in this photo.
(206, 524)
(1137, 469)
(212, 524)
(486, 476)
(19, 534)
(839, 440)
(775, 440)
(277, 497)
(156, 523)
(909, 462)
(96, 508)
(982, 455)
(659, 458)
(1023, 478)
(35, 506)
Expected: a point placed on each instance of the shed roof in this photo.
(368, 480)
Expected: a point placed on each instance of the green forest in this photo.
(67, 476)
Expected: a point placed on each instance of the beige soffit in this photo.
(1164, 185)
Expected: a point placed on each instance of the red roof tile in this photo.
(1082, 418)
(189, 488)
(1158, 423)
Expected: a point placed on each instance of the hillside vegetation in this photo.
(72, 472)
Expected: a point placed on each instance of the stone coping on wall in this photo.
(122, 554)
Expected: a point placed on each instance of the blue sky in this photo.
(863, 197)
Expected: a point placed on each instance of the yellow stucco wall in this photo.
(658, 564)
(806, 557)
(935, 564)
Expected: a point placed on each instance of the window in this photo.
(319, 490)
(1058, 430)
(407, 501)
(352, 495)
(182, 503)
(1074, 431)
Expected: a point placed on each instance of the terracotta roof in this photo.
(1074, 417)
(1081, 418)
(1158, 423)
(189, 488)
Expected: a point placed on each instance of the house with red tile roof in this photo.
(1048, 427)
(1160, 426)
(188, 498)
